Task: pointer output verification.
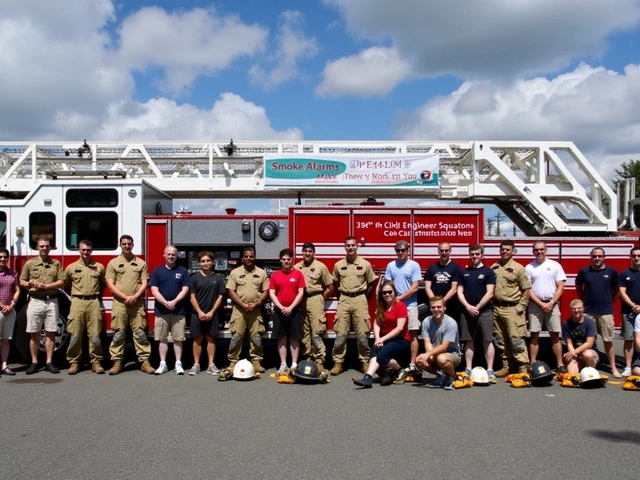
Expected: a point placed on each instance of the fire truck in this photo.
(67, 192)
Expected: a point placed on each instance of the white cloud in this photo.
(58, 68)
(492, 38)
(292, 46)
(373, 72)
(186, 44)
(162, 119)
(595, 108)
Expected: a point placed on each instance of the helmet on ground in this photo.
(479, 376)
(243, 370)
(541, 374)
(590, 378)
(307, 371)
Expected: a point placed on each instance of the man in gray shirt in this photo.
(441, 345)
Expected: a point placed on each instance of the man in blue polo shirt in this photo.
(169, 286)
(597, 286)
(629, 283)
(475, 292)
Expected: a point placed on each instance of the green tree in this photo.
(630, 169)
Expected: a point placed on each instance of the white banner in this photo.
(351, 170)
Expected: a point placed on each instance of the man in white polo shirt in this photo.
(547, 284)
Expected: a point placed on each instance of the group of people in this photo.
(497, 305)
(491, 305)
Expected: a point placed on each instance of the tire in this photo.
(61, 339)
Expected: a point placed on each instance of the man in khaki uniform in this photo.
(248, 287)
(127, 277)
(354, 280)
(42, 276)
(319, 288)
(510, 299)
(86, 279)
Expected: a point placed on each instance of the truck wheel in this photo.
(61, 339)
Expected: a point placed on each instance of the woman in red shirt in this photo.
(391, 338)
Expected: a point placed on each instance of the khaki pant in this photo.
(84, 315)
(510, 331)
(352, 313)
(314, 326)
(123, 316)
(238, 325)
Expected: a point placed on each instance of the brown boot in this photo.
(73, 369)
(365, 367)
(503, 372)
(147, 368)
(97, 368)
(116, 369)
(320, 367)
(336, 370)
(257, 366)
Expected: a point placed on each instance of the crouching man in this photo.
(580, 336)
(441, 344)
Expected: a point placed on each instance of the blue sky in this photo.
(324, 70)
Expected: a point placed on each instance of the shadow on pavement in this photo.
(629, 436)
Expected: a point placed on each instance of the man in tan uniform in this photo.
(127, 277)
(42, 276)
(86, 279)
(248, 287)
(510, 299)
(319, 288)
(354, 280)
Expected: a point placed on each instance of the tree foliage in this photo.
(630, 169)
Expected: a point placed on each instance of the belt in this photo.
(309, 295)
(354, 294)
(504, 304)
(86, 297)
(44, 297)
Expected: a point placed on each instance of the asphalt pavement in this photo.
(159, 427)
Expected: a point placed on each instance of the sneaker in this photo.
(412, 369)
(162, 368)
(562, 369)
(294, 366)
(33, 368)
(195, 369)
(448, 383)
(402, 377)
(439, 381)
(366, 381)
(179, 368)
(51, 368)
(283, 368)
(626, 372)
(467, 371)
(213, 370)
(492, 376)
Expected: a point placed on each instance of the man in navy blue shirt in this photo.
(475, 292)
(597, 287)
(169, 286)
(629, 282)
(441, 279)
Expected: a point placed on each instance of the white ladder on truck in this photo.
(543, 187)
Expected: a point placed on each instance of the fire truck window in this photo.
(42, 225)
(92, 198)
(3, 229)
(99, 227)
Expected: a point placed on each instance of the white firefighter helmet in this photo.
(243, 370)
(589, 376)
(479, 376)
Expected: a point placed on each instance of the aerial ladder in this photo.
(545, 188)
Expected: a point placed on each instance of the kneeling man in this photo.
(441, 344)
(580, 336)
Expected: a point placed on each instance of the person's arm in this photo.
(171, 304)
(624, 298)
(452, 291)
(413, 290)
(580, 285)
(486, 298)
(397, 331)
(427, 289)
(376, 335)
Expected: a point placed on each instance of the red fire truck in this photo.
(68, 192)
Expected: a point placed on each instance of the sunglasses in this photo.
(538, 249)
(401, 250)
(387, 292)
(632, 256)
